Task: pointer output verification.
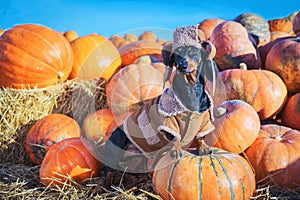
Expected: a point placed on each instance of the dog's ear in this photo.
(168, 60)
(209, 67)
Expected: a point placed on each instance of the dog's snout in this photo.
(182, 64)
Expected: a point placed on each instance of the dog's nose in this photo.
(182, 65)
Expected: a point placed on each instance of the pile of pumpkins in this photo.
(259, 121)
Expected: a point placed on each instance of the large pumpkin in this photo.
(265, 49)
(208, 25)
(234, 46)
(95, 57)
(256, 25)
(262, 89)
(133, 85)
(33, 55)
(291, 113)
(69, 158)
(217, 175)
(236, 126)
(275, 156)
(47, 131)
(132, 51)
(284, 59)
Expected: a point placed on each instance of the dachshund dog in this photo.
(173, 120)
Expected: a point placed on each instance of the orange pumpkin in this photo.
(265, 49)
(296, 24)
(236, 126)
(262, 89)
(217, 175)
(275, 156)
(99, 125)
(283, 59)
(290, 115)
(234, 46)
(134, 84)
(208, 25)
(95, 57)
(33, 55)
(147, 35)
(281, 24)
(256, 25)
(132, 51)
(278, 34)
(47, 131)
(71, 35)
(69, 158)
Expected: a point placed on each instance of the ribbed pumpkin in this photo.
(256, 25)
(132, 51)
(296, 24)
(208, 25)
(234, 46)
(291, 113)
(262, 89)
(47, 131)
(34, 55)
(236, 126)
(284, 59)
(71, 35)
(218, 175)
(68, 158)
(275, 156)
(134, 84)
(95, 57)
(130, 37)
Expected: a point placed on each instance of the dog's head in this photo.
(190, 57)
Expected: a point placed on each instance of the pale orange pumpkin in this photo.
(275, 156)
(234, 46)
(95, 57)
(236, 124)
(33, 55)
(216, 175)
(264, 90)
(134, 84)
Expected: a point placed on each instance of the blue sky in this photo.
(122, 16)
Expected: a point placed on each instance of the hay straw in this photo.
(20, 108)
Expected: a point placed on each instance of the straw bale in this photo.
(20, 108)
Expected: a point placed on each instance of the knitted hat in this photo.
(187, 36)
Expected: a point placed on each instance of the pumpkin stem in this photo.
(243, 66)
(202, 148)
(277, 137)
(220, 112)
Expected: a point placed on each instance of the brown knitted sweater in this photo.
(145, 128)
